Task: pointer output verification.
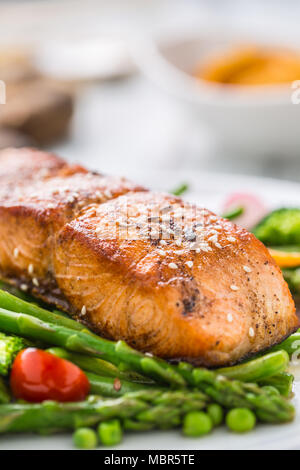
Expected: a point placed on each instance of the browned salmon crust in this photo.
(32, 215)
(169, 278)
(23, 165)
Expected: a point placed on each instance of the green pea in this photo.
(197, 423)
(85, 438)
(216, 413)
(110, 432)
(240, 420)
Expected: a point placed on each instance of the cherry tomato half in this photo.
(37, 375)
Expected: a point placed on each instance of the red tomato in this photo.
(38, 375)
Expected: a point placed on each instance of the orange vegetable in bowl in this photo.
(252, 65)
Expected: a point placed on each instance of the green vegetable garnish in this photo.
(196, 424)
(15, 304)
(180, 189)
(259, 368)
(110, 432)
(272, 390)
(240, 420)
(233, 213)
(290, 345)
(98, 366)
(224, 391)
(216, 413)
(85, 438)
(283, 382)
(109, 387)
(148, 409)
(280, 228)
(9, 348)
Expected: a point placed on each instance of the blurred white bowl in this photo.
(255, 121)
(105, 57)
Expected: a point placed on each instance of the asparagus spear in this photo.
(9, 347)
(250, 371)
(290, 345)
(259, 368)
(282, 381)
(4, 393)
(236, 394)
(80, 341)
(154, 408)
(224, 391)
(15, 291)
(10, 302)
(109, 387)
(98, 366)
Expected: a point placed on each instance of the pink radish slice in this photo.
(254, 209)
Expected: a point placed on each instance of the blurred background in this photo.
(137, 87)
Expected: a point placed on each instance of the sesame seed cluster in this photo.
(78, 189)
(176, 229)
(177, 233)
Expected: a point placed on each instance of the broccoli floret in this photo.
(9, 348)
(281, 227)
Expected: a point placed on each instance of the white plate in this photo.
(208, 190)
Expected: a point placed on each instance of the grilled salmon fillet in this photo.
(32, 214)
(168, 277)
(23, 165)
